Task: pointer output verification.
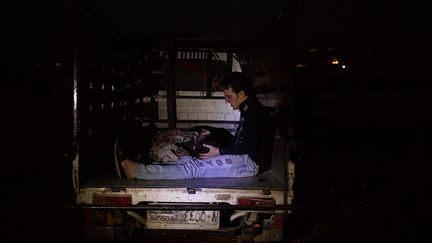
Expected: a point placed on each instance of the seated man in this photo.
(249, 154)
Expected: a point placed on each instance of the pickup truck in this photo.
(126, 97)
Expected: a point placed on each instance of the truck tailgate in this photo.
(267, 180)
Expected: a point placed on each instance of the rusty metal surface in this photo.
(208, 207)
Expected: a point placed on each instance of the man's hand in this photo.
(213, 151)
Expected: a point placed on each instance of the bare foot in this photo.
(129, 168)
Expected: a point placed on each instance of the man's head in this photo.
(237, 88)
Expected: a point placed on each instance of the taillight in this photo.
(255, 201)
(106, 217)
(106, 199)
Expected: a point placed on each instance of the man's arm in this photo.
(249, 137)
(248, 140)
(213, 151)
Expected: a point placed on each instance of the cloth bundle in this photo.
(173, 144)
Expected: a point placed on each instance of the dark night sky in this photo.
(224, 18)
(367, 23)
(335, 23)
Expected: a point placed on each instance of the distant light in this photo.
(313, 50)
(300, 65)
(343, 66)
(334, 61)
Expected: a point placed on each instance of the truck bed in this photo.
(266, 180)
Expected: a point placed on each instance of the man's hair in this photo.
(238, 81)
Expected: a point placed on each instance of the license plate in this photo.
(173, 219)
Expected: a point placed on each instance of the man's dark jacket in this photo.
(254, 135)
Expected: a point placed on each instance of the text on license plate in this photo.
(173, 219)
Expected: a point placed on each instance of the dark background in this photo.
(345, 155)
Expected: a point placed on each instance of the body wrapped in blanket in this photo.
(173, 144)
(174, 155)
